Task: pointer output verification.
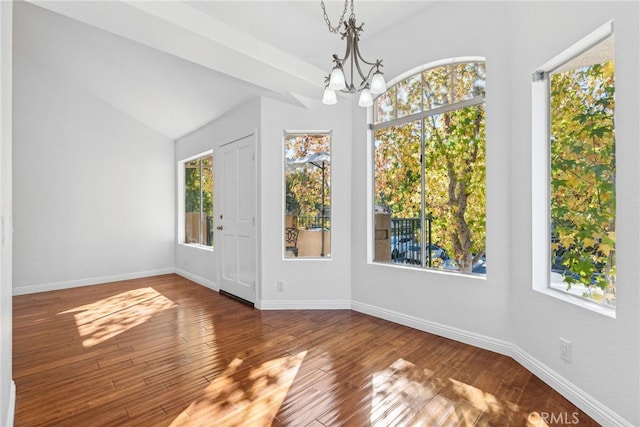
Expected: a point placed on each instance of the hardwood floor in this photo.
(164, 351)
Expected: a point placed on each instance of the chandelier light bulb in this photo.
(366, 100)
(337, 80)
(329, 96)
(378, 84)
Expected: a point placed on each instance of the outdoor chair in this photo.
(291, 240)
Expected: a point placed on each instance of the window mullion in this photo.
(201, 204)
(423, 203)
(432, 112)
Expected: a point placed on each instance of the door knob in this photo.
(219, 227)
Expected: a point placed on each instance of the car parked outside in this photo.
(407, 250)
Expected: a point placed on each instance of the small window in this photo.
(198, 201)
(578, 94)
(307, 205)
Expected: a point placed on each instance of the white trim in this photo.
(577, 300)
(433, 64)
(196, 156)
(305, 132)
(11, 408)
(590, 405)
(44, 287)
(570, 391)
(576, 49)
(471, 338)
(303, 305)
(415, 267)
(541, 174)
(197, 246)
(540, 185)
(180, 191)
(198, 279)
(283, 202)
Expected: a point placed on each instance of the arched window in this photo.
(429, 169)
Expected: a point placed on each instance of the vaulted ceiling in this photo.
(177, 65)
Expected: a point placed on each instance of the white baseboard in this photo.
(478, 340)
(32, 289)
(198, 279)
(303, 305)
(11, 408)
(592, 407)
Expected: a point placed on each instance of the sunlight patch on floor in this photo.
(243, 395)
(405, 394)
(399, 392)
(482, 400)
(109, 317)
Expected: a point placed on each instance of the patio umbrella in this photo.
(322, 161)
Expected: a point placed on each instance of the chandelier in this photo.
(371, 78)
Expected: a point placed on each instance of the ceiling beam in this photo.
(181, 30)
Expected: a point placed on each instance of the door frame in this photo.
(217, 203)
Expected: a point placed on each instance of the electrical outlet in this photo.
(280, 286)
(565, 350)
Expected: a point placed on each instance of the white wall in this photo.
(95, 188)
(199, 264)
(605, 351)
(502, 312)
(467, 303)
(7, 387)
(307, 282)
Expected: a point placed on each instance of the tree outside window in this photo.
(198, 184)
(583, 172)
(307, 159)
(429, 166)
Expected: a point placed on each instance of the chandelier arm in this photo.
(356, 63)
(358, 55)
(342, 60)
(378, 62)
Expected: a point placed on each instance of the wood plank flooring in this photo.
(164, 351)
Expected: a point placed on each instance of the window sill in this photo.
(578, 301)
(472, 276)
(197, 246)
(307, 258)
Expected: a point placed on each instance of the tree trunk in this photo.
(457, 191)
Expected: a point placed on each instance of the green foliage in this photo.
(303, 184)
(193, 171)
(455, 181)
(454, 158)
(583, 171)
(198, 183)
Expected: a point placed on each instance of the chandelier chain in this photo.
(336, 29)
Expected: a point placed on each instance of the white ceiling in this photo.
(177, 65)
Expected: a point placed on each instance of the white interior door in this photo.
(236, 218)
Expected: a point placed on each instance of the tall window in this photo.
(429, 166)
(198, 201)
(582, 172)
(307, 204)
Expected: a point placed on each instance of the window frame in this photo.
(541, 172)
(328, 255)
(181, 231)
(373, 124)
